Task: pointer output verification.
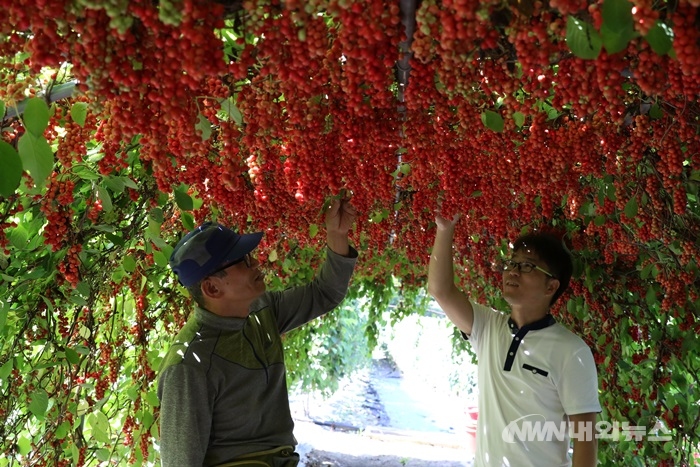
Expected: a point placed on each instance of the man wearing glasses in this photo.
(535, 378)
(222, 385)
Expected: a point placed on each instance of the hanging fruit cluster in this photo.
(125, 123)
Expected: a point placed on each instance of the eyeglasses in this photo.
(247, 259)
(522, 266)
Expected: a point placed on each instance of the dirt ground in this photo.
(360, 426)
(325, 459)
(392, 414)
(378, 447)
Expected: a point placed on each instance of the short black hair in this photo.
(554, 253)
(196, 293)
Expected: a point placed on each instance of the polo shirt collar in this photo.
(547, 321)
(519, 334)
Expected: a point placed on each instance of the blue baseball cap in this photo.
(202, 251)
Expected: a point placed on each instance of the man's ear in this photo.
(211, 288)
(552, 286)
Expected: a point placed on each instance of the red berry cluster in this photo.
(56, 206)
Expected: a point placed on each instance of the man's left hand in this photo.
(340, 216)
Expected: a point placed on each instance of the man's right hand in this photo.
(442, 222)
(441, 285)
(446, 224)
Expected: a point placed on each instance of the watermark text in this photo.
(535, 428)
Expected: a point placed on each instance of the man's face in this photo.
(242, 281)
(528, 288)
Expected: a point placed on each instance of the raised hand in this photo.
(340, 216)
(442, 222)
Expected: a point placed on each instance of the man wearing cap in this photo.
(222, 385)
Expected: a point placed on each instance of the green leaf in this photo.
(133, 392)
(660, 38)
(272, 257)
(492, 120)
(519, 119)
(2, 110)
(11, 169)
(157, 215)
(230, 109)
(616, 41)
(617, 29)
(690, 342)
(78, 112)
(39, 402)
(129, 183)
(36, 116)
(72, 356)
(75, 453)
(587, 209)
(197, 202)
(6, 369)
(656, 112)
(582, 38)
(204, 126)
(313, 230)
(118, 274)
(105, 199)
(601, 340)
(182, 199)
(651, 298)
(631, 208)
(3, 321)
(160, 259)
(25, 445)
(19, 237)
(617, 15)
(116, 239)
(103, 454)
(116, 184)
(129, 264)
(187, 220)
(610, 192)
(152, 398)
(160, 244)
(83, 288)
(62, 430)
(85, 173)
(100, 426)
(37, 157)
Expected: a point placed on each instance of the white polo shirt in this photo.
(529, 380)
